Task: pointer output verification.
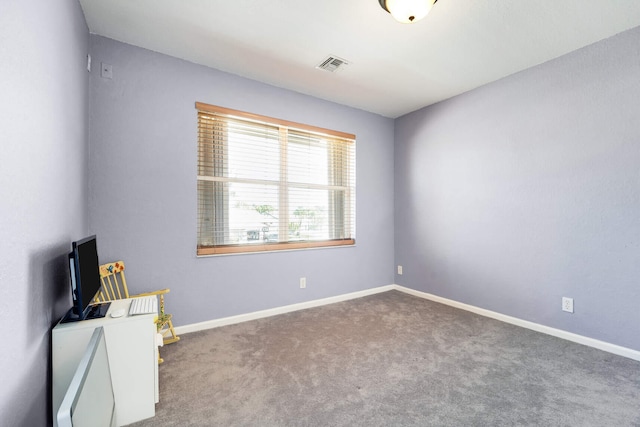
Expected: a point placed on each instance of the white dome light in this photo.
(407, 11)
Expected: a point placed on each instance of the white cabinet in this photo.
(133, 360)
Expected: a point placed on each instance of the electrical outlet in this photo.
(567, 304)
(303, 282)
(400, 270)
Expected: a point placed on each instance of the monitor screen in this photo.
(87, 270)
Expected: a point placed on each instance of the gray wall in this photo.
(528, 189)
(43, 133)
(142, 203)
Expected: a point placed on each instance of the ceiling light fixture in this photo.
(407, 11)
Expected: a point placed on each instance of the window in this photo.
(266, 184)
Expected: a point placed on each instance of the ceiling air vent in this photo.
(332, 64)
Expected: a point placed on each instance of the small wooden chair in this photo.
(114, 286)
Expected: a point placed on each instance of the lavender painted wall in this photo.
(142, 203)
(43, 104)
(528, 189)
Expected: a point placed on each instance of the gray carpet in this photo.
(390, 359)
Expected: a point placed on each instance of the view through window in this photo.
(267, 184)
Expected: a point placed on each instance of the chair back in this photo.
(114, 284)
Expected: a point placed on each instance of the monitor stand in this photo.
(94, 311)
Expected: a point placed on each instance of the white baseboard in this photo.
(559, 333)
(194, 327)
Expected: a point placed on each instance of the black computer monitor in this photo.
(85, 280)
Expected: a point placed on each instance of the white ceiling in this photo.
(394, 68)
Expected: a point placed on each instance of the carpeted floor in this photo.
(390, 359)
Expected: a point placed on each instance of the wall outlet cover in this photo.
(567, 304)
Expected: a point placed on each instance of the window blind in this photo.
(267, 184)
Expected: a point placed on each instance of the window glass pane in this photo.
(307, 160)
(253, 213)
(253, 152)
(308, 214)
